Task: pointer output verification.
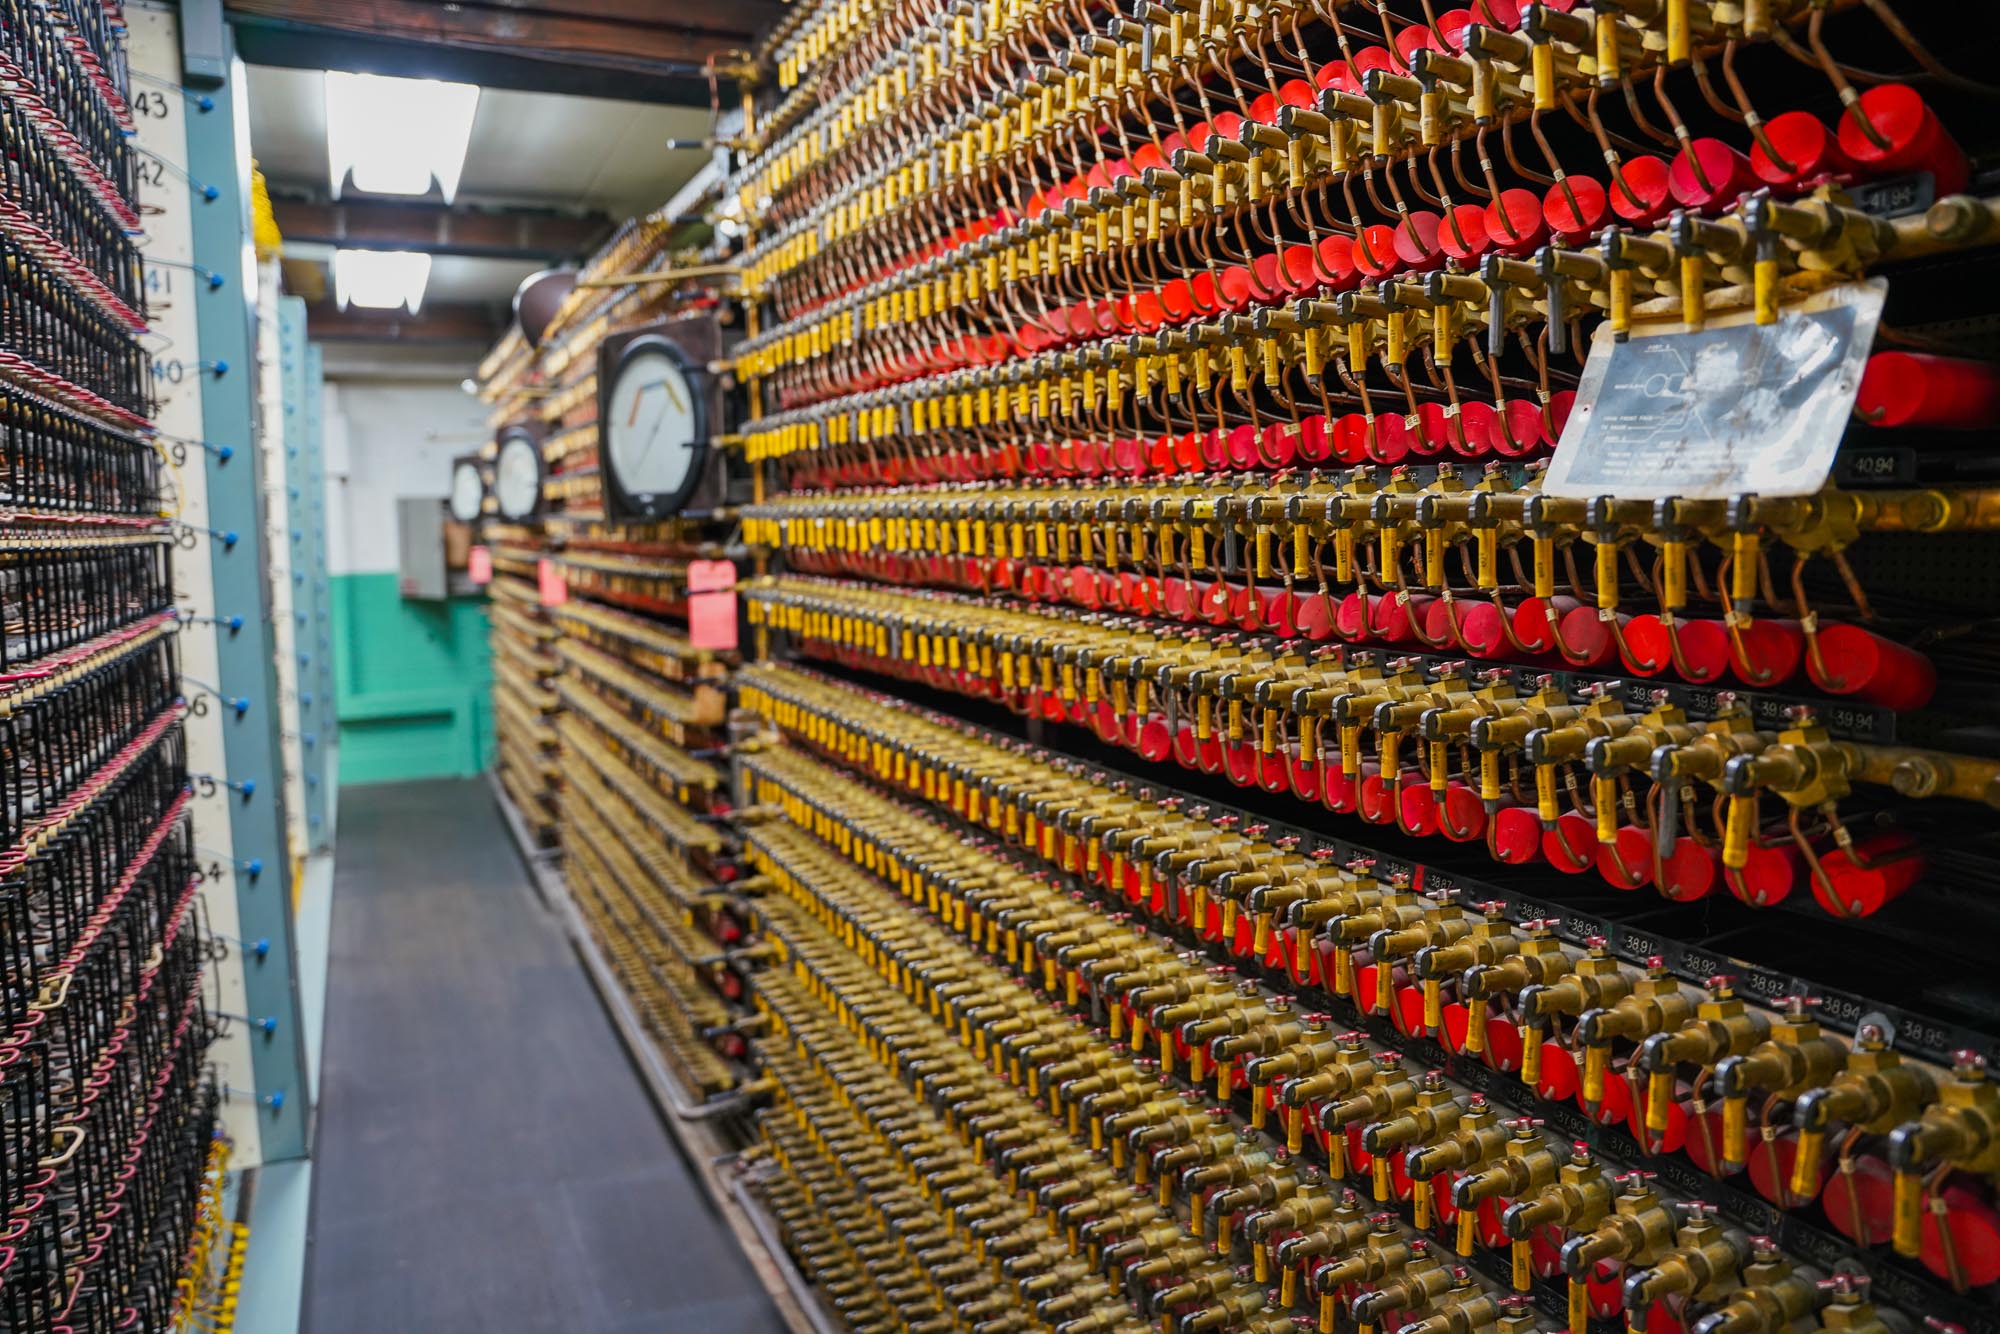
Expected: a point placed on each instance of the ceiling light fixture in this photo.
(397, 135)
(381, 279)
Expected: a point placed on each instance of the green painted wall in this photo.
(415, 684)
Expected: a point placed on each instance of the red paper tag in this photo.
(479, 566)
(712, 605)
(554, 588)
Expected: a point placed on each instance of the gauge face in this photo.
(468, 491)
(517, 477)
(654, 428)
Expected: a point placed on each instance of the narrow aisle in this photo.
(488, 1160)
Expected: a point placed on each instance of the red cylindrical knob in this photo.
(1808, 148)
(1914, 140)
(1920, 389)
(1876, 873)
(1851, 661)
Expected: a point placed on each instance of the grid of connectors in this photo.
(1384, 821)
(109, 1165)
(1383, 1099)
(525, 667)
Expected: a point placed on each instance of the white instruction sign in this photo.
(1734, 408)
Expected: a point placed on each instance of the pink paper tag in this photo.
(479, 565)
(712, 605)
(554, 588)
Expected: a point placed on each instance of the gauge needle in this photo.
(653, 438)
(680, 404)
(632, 419)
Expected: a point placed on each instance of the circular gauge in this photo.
(468, 491)
(655, 428)
(517, 477)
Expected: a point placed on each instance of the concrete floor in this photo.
(487, 1160)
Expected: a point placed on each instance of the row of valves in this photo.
(1579, 777)
(1431, 561)
(1154, 1142)
(1091, 149)
(1510, 995)
(1286, 363)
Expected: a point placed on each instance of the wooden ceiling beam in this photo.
(629, 49)
(435, 322)
(527, 234)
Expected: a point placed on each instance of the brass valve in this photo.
(1657, 1002)
(1638, 1230)
(1537, 960)
(1847, 1309)
(1478, 1134)
(1199, 1285)
(1433, 1115)
(1384, 1250)
(1491, 939)
(1772, 1297)
(1702, 1266)
(1441, 925)
(1253, 1180)
(1529, 1161)
(1394, 909)
(1794, 1057)
(1875, 1092)
(1579, 1196)
(1227, 1310)
(1220, 1158)
(1389, 1090)
(1344, 1228)
(1265, 1040)
(1423, 1280)
(1722, 1025)
(1961, 1128)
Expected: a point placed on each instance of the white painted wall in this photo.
(386, 439)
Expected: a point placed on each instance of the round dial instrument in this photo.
(468, 491)
(517, 477)
(655, 429)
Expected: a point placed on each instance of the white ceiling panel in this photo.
(288, 125)
(584, 153)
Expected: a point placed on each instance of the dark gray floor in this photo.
(488, 1160)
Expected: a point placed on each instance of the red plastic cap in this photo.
(1462, 235)
(1627, 860)
(1919, 389)
(1480, 630)
(1877, 873)
(1515, 222)
(1463, 818)
(1576, 207)
(1639, 192)
(1690, 871)
(1866, 666)
(1769, 654)
(1517, 835)
(1703, 644)
(1419, 806)
(1709, 172)
(1586, 640)
(1810, 150)
(1916, 140)
(1572, 844)
(1769, 875)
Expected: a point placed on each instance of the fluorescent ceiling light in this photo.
(381, 279)
(397, 135)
